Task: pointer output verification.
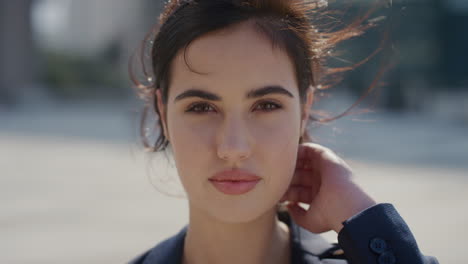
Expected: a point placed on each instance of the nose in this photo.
(234, 141)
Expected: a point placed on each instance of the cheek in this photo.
(276, 146)
(193, 150)
(190, 136)
(276, 133)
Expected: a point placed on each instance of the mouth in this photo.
(234, 182)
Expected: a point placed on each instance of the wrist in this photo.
(351, 207)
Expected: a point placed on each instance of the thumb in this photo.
(297, 213)
(308, 219)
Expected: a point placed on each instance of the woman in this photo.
(233, 84)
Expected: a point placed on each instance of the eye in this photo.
(267, 106)
(199, 108)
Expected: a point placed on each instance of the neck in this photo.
(263, 240)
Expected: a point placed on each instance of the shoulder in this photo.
(168, 251)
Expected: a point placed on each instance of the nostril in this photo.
(233, 153)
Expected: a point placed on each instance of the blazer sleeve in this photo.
(380, 235)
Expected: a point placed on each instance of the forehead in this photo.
(238, 57)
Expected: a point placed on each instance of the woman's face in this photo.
(224, 120)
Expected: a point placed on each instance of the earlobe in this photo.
(162, 113)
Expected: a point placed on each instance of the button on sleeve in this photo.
(387, 258)
(378, 245)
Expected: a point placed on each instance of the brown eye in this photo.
(267, 106)
(200, 108)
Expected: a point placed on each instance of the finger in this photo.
(305, 177)
(314, 147)
(318, 153)
(296, 210)
(309, 158)
(307, 149)
(310, 185)
(301, 194)
(312, 151)
(306, 164)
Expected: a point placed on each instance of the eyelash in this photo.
(193, 106)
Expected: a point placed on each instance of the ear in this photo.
(162, 113)
(306, 109)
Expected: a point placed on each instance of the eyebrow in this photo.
(266, 90)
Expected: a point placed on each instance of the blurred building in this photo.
(17, 51)
(428, 40)
(85, 26)
(454, 42)
(86, 44)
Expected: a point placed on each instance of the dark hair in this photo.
(297, 27)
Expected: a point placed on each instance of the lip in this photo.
(234, 182)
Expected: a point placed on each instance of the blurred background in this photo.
(76, 186)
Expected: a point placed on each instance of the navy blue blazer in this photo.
(376, 235)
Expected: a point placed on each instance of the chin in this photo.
(241, 210)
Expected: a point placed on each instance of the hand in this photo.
(324, 181)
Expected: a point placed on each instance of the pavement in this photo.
(76, 187)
